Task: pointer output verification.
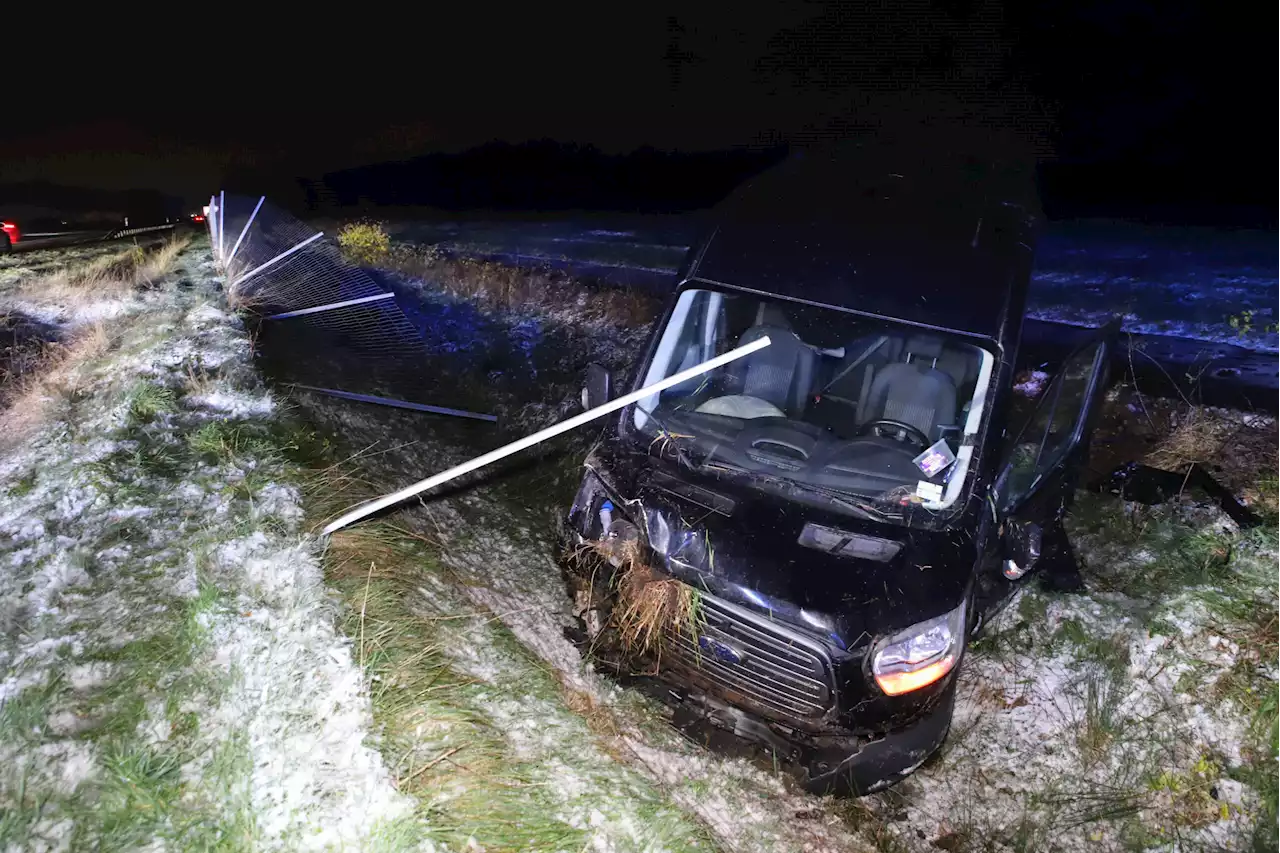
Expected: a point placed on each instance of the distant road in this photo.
(31, 242)
(54, 239)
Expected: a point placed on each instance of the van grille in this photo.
(740, 655)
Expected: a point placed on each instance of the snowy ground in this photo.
(1132, 717)
(181, 662)
(170, 672)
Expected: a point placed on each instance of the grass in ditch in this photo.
(495, 285)
(445, 733)
(439, 744)
(442, 748)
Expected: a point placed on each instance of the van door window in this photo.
(1047, 437)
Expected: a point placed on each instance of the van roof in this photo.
(938, 252)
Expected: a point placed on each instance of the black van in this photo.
(846, 505)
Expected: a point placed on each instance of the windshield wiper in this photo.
(850, 500)
(847, 500)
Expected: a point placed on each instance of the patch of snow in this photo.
(207, 314)
(236, 405)
(49, 582)
(301, 700)
(97, 311)
(279, 501)
(86, 676)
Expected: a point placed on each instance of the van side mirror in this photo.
(1022, 540)
(598, 388)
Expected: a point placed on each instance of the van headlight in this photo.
(920, 655)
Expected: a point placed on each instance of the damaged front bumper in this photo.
(844, 765)
(744, 684)
(712, 709)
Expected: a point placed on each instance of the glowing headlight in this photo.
(920, 655)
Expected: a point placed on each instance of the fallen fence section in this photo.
(319, 309)
(322, 322)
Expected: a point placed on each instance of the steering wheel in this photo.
(899, 431)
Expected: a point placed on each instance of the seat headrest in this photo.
(924, 346)
(771, 315)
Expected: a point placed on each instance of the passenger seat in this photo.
(781, 373)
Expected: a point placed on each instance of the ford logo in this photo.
(722, 652)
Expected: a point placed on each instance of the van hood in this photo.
(843, 578)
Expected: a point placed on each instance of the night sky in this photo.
(1186, 88)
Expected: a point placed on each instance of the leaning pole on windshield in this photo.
(550, 432)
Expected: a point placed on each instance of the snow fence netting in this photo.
(321, 320)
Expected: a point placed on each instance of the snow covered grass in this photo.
(170, 670)
(99, 288)
(23, 265)
(1139, 715)
(75, 305)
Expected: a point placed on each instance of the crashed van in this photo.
(797, 547)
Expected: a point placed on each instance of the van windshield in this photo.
(874, 414)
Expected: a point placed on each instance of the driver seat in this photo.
(923, 397)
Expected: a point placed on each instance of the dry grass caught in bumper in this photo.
(648, 604)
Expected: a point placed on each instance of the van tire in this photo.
(6, 245)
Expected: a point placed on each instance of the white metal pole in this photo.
(331, 306)
(550, 432)
(222, 221)
(399, 404)
(211, 220)
(245, 230)
(279, 257)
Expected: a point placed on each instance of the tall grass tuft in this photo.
(364, 242)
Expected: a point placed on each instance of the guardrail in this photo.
(129, 232)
